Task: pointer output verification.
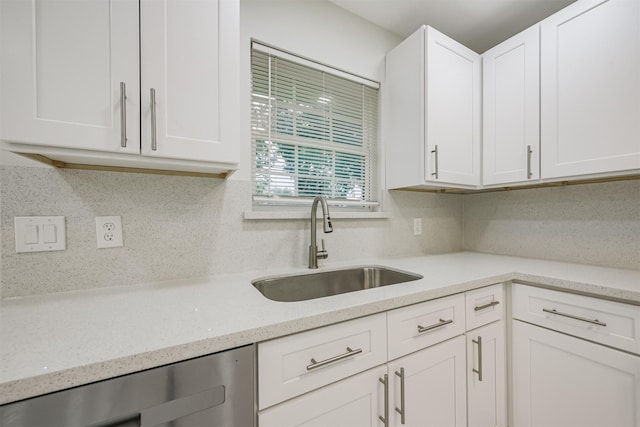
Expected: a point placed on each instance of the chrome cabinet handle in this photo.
(402, 409)
(154, 140)
(479, 370)
(440, 324)
(385, 419)
(350, 352)
(571, 316)
(529, 152)
(123, 115)
(435, 152)
(482, 307)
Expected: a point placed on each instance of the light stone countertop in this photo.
(52, 342)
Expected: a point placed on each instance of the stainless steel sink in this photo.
(304, 287)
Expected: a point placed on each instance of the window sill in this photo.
(251, 215)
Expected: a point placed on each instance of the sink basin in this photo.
(304, 287)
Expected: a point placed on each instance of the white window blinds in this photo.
(313, 133)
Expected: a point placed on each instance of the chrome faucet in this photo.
(314, 253)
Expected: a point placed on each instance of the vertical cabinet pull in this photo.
(402, 409)
(529, 152)
(435, 153)
(123, 115)
(154, 139)
(385, 419)
(479, 370)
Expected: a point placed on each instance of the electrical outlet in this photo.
(417, 226)
(109, 231)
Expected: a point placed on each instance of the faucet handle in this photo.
(323, 252)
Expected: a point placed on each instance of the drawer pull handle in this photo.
(350, 352)
(440, 324)
(571, 316)
(402, 410)
(479, 370)
(482, 307)
(385, 419)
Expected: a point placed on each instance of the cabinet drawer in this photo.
(610, 323)
(299, 363)
(484, 305)
(421, 325)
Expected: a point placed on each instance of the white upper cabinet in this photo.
(432, 110)
(188, 48)
(62, 66)
(511, 110)
(590, 89)
(77, 78)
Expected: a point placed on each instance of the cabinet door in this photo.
(559, 380)
(189, 60)
(590, 88)
(434, 387)
(453, 111)
(511, 110)
(62, 63)
(357, 401)
(486, 376)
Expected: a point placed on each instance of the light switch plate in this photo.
(40, 233)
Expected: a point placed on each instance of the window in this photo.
(314, 132)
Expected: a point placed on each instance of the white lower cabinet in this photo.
(428, 388)
(486, 376)
(576, 360)
(357, 401)
(412, 366)
(565, 381)
(442, 363)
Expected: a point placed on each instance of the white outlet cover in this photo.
(109, 231)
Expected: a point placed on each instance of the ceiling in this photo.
(477, 24)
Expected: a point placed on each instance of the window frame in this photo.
(273, 206)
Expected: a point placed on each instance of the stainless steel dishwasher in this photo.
(215, 390)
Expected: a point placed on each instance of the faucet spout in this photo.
(314, 253)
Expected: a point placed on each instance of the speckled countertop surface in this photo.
(57, 341)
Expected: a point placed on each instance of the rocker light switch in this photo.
(40, 233)
(31, 235)
(49, 233)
